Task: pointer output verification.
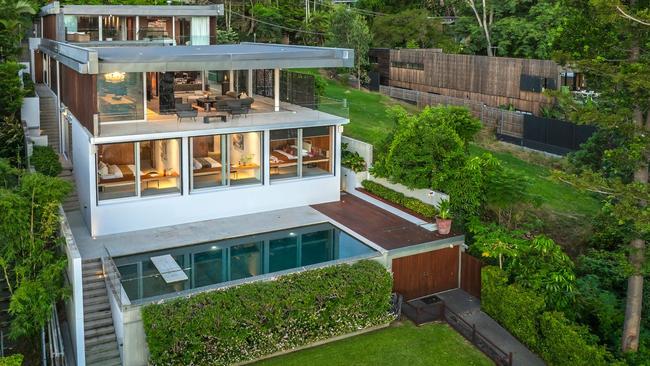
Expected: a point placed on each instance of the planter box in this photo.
(30, 112)
(351, 180)
(424, 195)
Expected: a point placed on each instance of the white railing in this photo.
(55, 344)
(112, 278)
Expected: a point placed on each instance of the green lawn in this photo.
(555, 195)
(402, 344)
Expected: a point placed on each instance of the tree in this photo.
(14, 20)
(483, 21)
(612, 51)
(350, 30)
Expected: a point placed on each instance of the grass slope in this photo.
(402, 344)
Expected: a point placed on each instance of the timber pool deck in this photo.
(377, 225)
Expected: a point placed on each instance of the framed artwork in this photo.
(238, 141)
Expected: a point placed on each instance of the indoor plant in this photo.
(443, 219)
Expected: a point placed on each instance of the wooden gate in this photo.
(426, 273)
(470, 275)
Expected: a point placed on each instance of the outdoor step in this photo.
(97, 332)
(105, 338)
(91, 294)
(92, 265)
(102, 356)
(111, 362)
(99, 323)
(96, 300)
(93, 285)
(101, 314)
(92, 309)
(92, 277)
(101, 347)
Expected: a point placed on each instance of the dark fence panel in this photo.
(470, 275)
(554, 136)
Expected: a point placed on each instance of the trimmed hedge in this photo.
(253, 320)
(13, 360)
(412, 204)
(558, 340)
(46, 161)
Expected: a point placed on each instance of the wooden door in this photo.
(470, 275)
(426, 273)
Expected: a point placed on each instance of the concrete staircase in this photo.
(48, 115)
(71, 203)
(100, 340)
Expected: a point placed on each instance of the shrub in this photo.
(28, 85)
(12, 141)
(513, 307)
(352, 160)
(46, 161)
(13, 360)
(249, 321)
(566, 343)
(412, 204)
(11, 89)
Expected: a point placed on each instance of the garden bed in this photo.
(393, 204)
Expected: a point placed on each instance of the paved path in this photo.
(469, 308)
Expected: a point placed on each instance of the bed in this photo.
(205, 166)
(115, 175)
(286, 157)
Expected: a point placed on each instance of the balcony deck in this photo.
(261, 116)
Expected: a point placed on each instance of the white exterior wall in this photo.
(138, 213)
(83, 158)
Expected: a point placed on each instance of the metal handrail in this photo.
(55, 344)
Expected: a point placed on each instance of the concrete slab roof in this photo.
(133, 10)
(240, 56)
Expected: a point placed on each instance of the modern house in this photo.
(203, 166)
(494, 81)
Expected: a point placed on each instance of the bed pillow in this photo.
(103, 169)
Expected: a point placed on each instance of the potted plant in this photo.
(443, 219)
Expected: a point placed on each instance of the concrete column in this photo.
(276, 89)
(58, 107)
(101, 28)
(266, 146)
(174, 30)
(137, 27)
(249, 80)
(231, 80)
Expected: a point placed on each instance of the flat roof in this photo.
(133, 10)
(240, 56)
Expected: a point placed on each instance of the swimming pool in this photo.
(219, 262)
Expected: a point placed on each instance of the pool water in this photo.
(212, 263)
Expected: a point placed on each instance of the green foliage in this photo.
(46, 161)
(555, 338)
(494, 241)
(28, 85)
(13, 360)
(509, 193)
(15, 19)
(514, 307)
(444, 210)
(8, 175)
(11, 89)
(411, 28)
(252, 320)
(350, 30)
(30, 262)
(227, 36)
(352, 160)
(566, 343)
(12, 141)
(412, 204)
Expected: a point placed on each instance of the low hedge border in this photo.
(250, 321)
(413, 204)
(46, 161)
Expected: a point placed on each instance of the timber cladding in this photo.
(426, 273)
(79, 94)
(49, 26)
(494, 81)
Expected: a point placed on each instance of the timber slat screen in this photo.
(79, 94)
(495, 81)
(554, 136)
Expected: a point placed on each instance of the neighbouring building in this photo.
(203, 166)
(511, 83)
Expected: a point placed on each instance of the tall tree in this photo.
(350, 30)
(612, 51)
(14, 20)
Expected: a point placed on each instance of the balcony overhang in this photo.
(243, 56)
(134, 10)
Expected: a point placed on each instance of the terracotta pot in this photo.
(444, 226)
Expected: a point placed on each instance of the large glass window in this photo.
(317, 148)
(113, 28)
(283, 253)
(245, 162)
(120, 96)
(208, 167)
(116, 171)
(160, 167)
(283, 154)
(208, 267)
(317, 247)
(301, 152)
(81, 28)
